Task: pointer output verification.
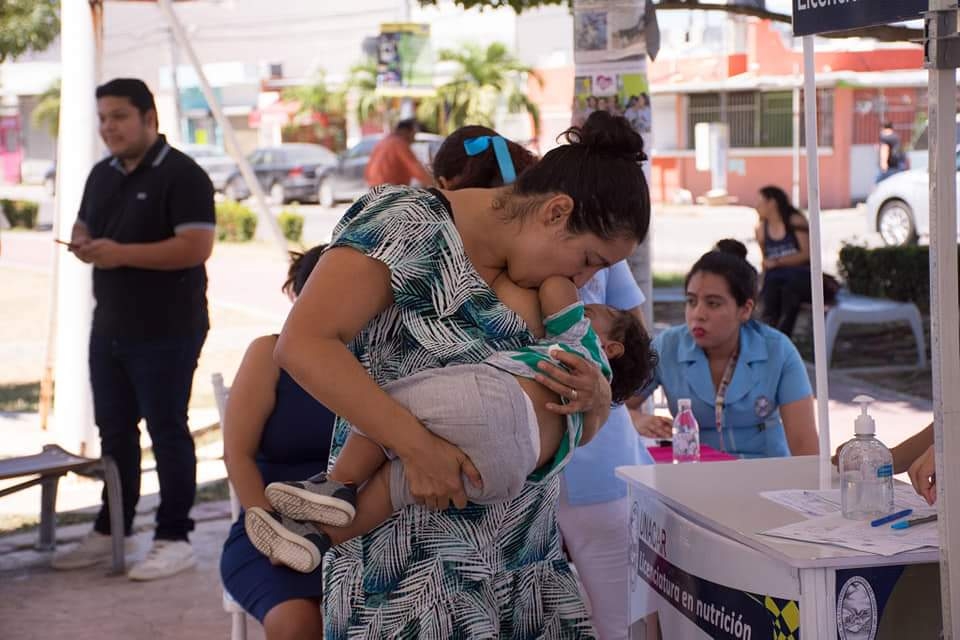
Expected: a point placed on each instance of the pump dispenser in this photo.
(866, 470)
(864, 425)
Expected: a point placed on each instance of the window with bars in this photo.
(758, 119)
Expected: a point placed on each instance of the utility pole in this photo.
(175, 88)
(74, 424)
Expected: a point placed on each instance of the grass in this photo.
(665, 280)
(20, 396)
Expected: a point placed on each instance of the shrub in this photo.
(291, 223)
(898, 273)
(20, 213)
(235, 222)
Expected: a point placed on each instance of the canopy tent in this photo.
(942, 58)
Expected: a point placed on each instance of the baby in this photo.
(494, 411)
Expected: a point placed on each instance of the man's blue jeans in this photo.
(134, 378)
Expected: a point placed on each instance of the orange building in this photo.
(860, 85)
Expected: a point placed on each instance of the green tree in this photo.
(316, 97)
(27, 25)
(485, 76)
(362, 82)
(46, 115)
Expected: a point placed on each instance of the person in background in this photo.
(146, 224)
(594, 512)
(892, 158)
(469, 159)
(274, 432)
(749, 388)
(392, 161)
(784, 239)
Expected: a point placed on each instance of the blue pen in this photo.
(890, 518)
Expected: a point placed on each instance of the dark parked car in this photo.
(287, 172)
(346, 182)
(218, 165)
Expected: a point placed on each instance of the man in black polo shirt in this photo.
(146, 224)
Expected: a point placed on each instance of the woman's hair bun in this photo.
(732, 247)
(607, 133)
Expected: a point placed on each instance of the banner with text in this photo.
(823, 16)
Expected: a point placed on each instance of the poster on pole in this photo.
(611, 62)
(822, 16)
(608, 30)
(622, 89)
(404, 60)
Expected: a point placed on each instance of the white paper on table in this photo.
(834, 529)
(810, 503)
(813, 503)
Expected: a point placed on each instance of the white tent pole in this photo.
(945, 312)
(233, 145)
(73, 423)
(816, 268)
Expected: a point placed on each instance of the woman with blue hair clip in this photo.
(478, 157)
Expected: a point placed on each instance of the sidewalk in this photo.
(38, 603)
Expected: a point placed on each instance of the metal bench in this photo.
(52, 464)
(856, 309)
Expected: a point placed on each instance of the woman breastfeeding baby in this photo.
(496, 411)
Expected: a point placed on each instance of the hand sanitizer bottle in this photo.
(686, 434)
(866, 470)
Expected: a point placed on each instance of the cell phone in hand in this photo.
(68, 245)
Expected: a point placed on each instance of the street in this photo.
(248, 276)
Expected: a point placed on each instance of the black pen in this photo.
(903, 524)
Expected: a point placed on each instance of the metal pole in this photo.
(944, 314)
(816, 268)
(233, 145)
(796, 140)
(175, 88)
(78, 150)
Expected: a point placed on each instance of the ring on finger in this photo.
(573, 393)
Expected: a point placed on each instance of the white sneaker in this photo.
(165, 558)
(91, 550)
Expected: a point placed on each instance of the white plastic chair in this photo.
(237, 614)
(855, 309)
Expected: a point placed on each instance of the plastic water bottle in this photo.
(866, 470)
(686, 434)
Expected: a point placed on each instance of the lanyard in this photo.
(722, 394)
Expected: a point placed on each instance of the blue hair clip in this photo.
(476, 146)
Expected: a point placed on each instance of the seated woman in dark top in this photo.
(784, 238)
(275, 431)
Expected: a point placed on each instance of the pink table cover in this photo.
(664, 455)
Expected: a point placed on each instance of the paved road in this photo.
(248, 276)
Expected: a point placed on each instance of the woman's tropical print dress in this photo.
(493, 571)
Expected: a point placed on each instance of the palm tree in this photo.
(46, 115)
(362, 81)
(316, 97)
(486, 75)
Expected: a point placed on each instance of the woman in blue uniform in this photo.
(749, 388)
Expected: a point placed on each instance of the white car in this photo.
(899, 207)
